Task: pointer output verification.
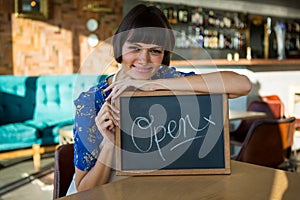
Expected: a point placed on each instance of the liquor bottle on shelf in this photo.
(183, 15)
(177, 39)
(192, 37)
(243, 21)
(171, 14)
(214, 40)
(197, 17)
(297, 27)
(206, 38)
(242, 40)
(174, 16)
(227, 21)
(228, 41)
(275, 43)
(217, 20)
(292, 46)
(211, 18)
(221, 40)
(272, 45)
(199, 37)
(288, 43)
(221, 23)
(236, 40)
(183, 41)
(289, 28)
(205, 19)
(236, 20)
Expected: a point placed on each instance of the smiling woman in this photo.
(142, 45)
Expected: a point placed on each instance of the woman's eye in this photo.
(132, 48)
(156, 51)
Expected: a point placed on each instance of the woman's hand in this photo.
(106, 121)
(121, 85)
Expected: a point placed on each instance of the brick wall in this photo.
(57, 45)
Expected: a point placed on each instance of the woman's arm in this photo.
(99, 174)
(106, 122)
(216, 82)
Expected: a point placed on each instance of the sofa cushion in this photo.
(54, 98)
(17, 98)
(48, 130)
(55, 95)
(17, 135)
(46, 123)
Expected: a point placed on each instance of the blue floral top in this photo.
(87, 138)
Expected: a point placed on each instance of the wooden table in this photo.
(246, 181)
(240, 115)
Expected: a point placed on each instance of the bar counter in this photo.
(240, 62)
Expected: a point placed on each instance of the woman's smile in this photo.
(142, 69)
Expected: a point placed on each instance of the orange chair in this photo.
(275, 105)
(268, 143)
(63, 170)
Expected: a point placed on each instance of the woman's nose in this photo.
(143, 57)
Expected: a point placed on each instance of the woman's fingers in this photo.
(108, 112)
(109, 124)
(117, 91)
(121, 80)
(109, 87)
(114, 113)
(109, 131)
(118, 87)
(121, 85)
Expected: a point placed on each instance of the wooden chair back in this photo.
(268, 142)
(63, 169)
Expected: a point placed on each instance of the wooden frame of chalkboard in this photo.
(172, 133)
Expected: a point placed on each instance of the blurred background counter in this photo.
(268, 77)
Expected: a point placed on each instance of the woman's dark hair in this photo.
(146, 24)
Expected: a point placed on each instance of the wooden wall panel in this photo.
(57, 45)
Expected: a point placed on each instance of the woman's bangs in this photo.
(157, 36)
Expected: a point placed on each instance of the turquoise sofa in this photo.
(33, 109)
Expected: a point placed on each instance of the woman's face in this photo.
(140, 60)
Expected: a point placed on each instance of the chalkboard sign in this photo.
(172, 132)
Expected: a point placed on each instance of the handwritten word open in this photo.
(145, 124)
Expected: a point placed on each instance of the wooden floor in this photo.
(20, 172)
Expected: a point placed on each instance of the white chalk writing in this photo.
(145, 124)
